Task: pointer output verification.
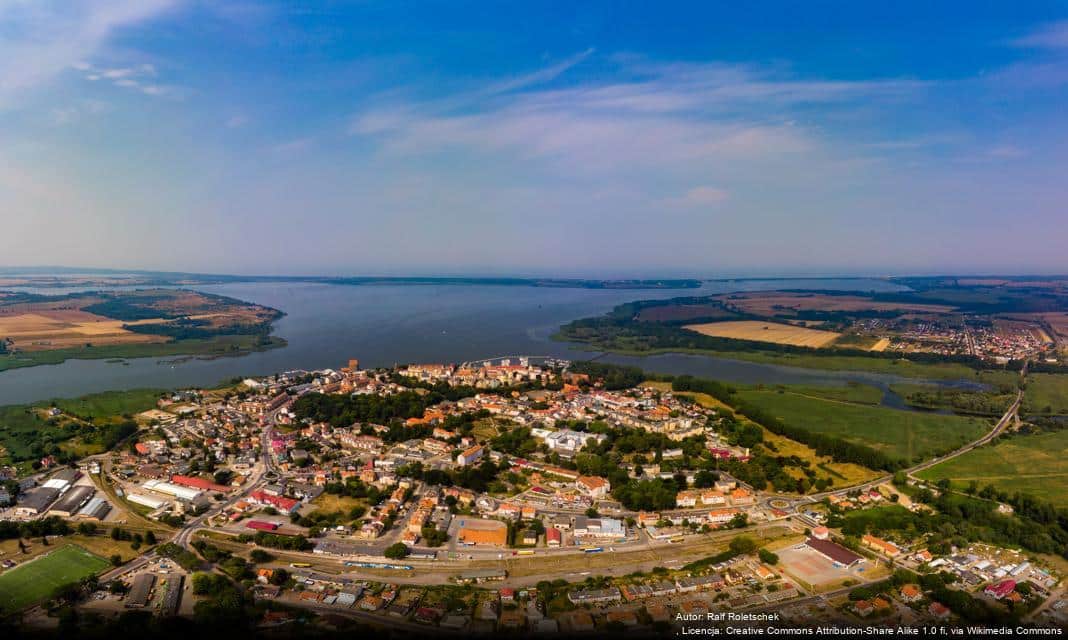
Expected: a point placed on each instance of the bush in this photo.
(396, 551)
(768, 557)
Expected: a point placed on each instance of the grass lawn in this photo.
(908, 435)
(1032, 464)
(36, 580)
(1046, 390)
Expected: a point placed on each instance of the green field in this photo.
(851, 392)
(908, 435)
(1046, 393)
(28, 433)
(37, 579)
(217, 346)
(1031, 464)
(111, 403)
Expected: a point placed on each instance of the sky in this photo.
(614, 139)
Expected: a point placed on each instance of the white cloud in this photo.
(541, 76)
(139, 77)
(42, 39)
(667, 115)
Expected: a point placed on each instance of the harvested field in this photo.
(1056, 321)
(771, 303)
(61, 329)
(881, 345)
(38, 324)
(767, 332)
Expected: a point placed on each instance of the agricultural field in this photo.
(767, 332)
(120, 324)
(1031, 464)
(1046, 393)
(907, 435)
(37, 579)
(786, 303)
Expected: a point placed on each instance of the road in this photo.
(183, 537)
(795, 502)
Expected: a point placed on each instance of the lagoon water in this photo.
(382, 325)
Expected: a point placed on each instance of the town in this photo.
(514, 494)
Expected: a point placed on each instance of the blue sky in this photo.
(616, 138)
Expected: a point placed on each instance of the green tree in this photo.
(396, 551)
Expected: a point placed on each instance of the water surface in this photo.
(383, 325)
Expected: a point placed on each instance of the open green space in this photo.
(36, 580)
(110, 403)
(1047, 393)
(28, 432)
(216, 346)
(850, 392)
(1029, 464)
(899, 367)
(906, 435)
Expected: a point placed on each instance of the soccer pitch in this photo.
(35, 580)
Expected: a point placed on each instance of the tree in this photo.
(279, 577)
(259, 556)
(150, 538)
(768, 557)
(742, 544)
(116, 560)
(396, 551)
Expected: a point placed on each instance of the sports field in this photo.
(766, 332)
(908, 435)
(37, 579)
(1033, 464)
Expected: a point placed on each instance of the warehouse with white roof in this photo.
(187, 494)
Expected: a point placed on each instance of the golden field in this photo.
(767, 332)
(68, 328)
